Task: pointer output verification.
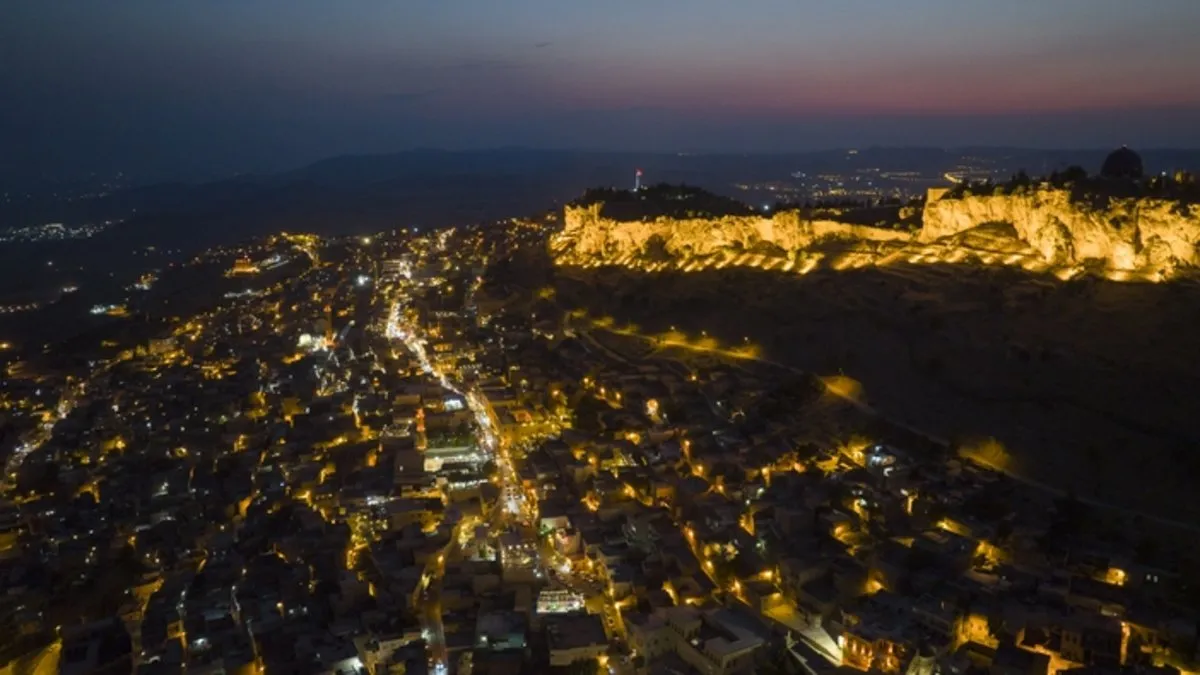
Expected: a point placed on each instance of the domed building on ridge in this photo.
(1123, 164)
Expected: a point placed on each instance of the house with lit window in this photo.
(878, 634)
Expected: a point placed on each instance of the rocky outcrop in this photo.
(1153, 236)
(1118, 234)
(589, 235)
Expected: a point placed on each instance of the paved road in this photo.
(489, 440)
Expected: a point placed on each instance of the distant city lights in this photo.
(272, 262)
(112, 310)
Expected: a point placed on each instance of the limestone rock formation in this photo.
(1157, 236)
(588, 235)
(1123, 234)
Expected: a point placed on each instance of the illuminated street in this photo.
(487, 439)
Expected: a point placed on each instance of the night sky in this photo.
(268, 83)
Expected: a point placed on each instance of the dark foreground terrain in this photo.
(1089, 384)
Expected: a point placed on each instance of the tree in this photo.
(1073, 174)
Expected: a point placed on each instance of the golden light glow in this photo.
(844, 387)
(953, 526)
(1115, 576)
(806, 250)
(990, 453)
(855, 448)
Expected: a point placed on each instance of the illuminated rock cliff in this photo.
(1119, 234)
(587, 235)
(1052, 229)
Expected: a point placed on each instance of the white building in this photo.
(707, 641)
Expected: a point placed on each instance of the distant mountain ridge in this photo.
(429, 187)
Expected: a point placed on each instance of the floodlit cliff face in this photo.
(1123, 234)
(588, 235)
(1150, 238)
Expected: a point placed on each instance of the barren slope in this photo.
(1091, 384)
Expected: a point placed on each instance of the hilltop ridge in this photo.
(1045, 226)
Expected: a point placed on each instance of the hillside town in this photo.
(393, 454)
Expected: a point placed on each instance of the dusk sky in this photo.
(271, 83)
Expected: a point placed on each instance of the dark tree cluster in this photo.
(662, 200)
(1121, 176)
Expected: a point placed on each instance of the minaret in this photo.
(637, 180)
